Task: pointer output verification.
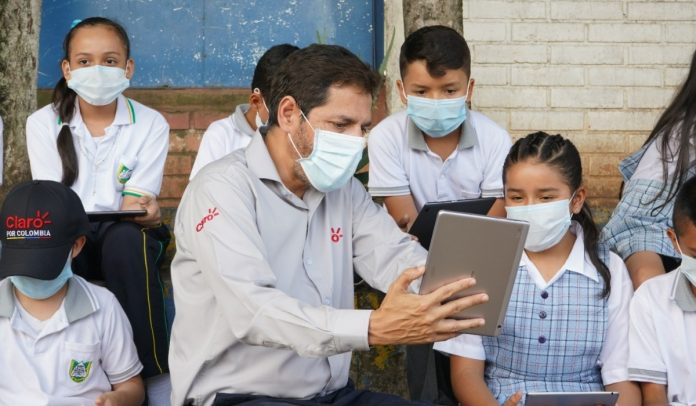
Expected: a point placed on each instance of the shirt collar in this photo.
(125, 113)
(78, 302)
(259, 160)
(682, 293)
(467, 137)
(578, 261)
(240, 121)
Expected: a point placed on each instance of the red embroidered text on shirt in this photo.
(208, 217)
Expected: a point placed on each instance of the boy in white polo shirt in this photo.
(437, 149)
(234, 132)
(64, 340)
(662, 345)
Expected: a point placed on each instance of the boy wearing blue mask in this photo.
(663, 318)
(235, 131)
(65, 341)
(438, 149)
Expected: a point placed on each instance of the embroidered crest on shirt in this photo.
(79, 370)
(212, 213)
(336, 235)
(123, 174)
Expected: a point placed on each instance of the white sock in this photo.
(159, 390)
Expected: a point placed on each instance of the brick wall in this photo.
(597, 72)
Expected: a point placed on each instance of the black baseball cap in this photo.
(41, 219)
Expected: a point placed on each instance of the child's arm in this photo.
(402, 209)
(643, 265)
(629, 392)
(126, 393)
(469, 386)
(654, 394)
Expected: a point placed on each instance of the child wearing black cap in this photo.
(64, 339)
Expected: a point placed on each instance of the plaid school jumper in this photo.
(636, 225)
(551, 339)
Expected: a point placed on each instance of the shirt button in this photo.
(544, 294)
(542, 339)
(542, 314)
(327, 301)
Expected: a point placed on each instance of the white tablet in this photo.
(571, 398)
(488, 248)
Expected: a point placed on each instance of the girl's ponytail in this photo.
(64, 105)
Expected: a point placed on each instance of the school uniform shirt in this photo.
(71, 358)
(127, 160)
(222, 137)
(662, 336)
(560, 335)
(401, 162)
(636, 224)
(263, 281)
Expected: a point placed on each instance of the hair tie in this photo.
(64, 124)
(75, 22)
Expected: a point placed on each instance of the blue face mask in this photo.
(436, 117)
(333, 160)
(40, 289)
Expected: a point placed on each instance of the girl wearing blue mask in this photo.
(111, 151)
(566, 326)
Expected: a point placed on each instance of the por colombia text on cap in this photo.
(41, 220)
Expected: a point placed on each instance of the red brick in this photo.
(178, 164)
(166, 203)
(184, 141)
(173, 186)
(202, 119)
(603, 187)
(178, 120)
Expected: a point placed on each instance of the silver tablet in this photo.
(571, 398)
(488, 248)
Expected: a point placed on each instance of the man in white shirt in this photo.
(235, 132)
(663, 318)
(267, 240)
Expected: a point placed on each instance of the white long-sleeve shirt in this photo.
(263, 281)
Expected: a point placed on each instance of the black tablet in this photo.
(114, 215)
(571, 398)
(425, 222)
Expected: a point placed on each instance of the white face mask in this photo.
(548, 222)
(688, 266)
(259, 122)
(333, 160)
(98, 85)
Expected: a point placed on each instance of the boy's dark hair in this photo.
(677, 123)
(307, 75)
(560, 154)
(268, 63)
(685, 206)
(442, 48)
(64, 98)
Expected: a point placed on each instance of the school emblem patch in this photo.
(79, 370)
(123, 174)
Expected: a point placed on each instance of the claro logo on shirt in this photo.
(336, 235)
(212, 213)
(20, 228)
